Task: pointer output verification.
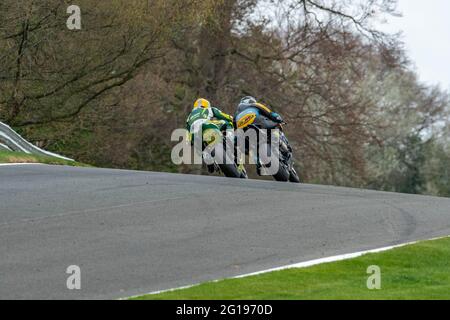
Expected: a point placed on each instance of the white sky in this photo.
(426, 33)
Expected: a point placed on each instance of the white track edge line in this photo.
(300, 265)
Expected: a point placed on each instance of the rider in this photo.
(250, 102)
(204, 111)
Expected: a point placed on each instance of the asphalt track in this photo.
(137, 232)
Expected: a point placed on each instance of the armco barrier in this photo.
(12, 141)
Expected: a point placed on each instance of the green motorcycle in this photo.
(214, 146)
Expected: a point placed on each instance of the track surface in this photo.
(136, 232)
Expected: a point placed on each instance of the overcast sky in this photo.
(426, 28)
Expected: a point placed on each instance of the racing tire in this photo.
(293, 176)
(230, 170)
(283, 174)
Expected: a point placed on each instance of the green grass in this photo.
(420, 271)
(19, 157)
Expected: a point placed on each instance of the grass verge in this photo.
(420, 271)
(19, 157)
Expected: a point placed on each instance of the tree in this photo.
(51, 73)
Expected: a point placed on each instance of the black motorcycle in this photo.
(252, 119)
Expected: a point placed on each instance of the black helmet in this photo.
(248, 100)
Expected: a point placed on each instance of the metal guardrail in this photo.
(12, 141)
(4, 147)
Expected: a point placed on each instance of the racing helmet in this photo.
(202, 103)
(248, 100)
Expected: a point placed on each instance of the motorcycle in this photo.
(214, 133)
(252, 119)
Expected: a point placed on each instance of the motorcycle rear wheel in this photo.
(282, 174)
(293, 177)
(228, 167)
(230, 170)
